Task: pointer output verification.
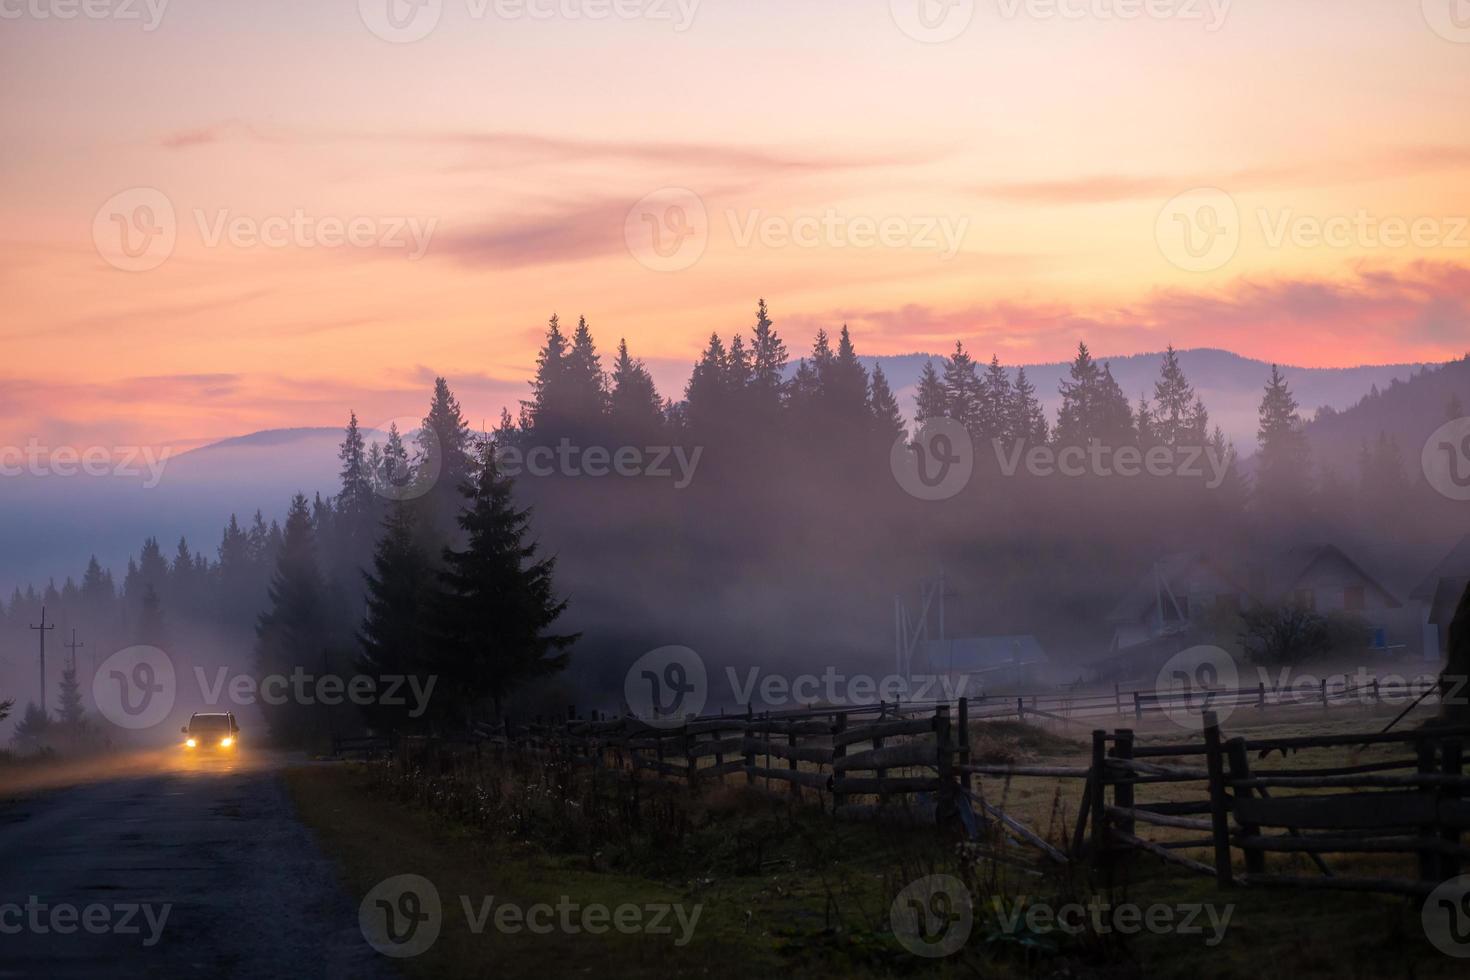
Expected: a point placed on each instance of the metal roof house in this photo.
(991, 662)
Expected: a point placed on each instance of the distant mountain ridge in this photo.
(1408, 411)
(1231, 385)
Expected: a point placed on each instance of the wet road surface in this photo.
(199, 870)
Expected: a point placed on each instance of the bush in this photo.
(1289, 633)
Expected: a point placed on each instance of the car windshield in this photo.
(209, 723)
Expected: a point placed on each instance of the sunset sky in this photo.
(520, 146)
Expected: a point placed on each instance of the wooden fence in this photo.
(1413, 804)
(914, 763)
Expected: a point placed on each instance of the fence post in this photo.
(1261, 696)
(1450, 765)
(1240, 768)
(1324, 694)
(1123, 788)
(719, 734)
(1219, 804)
(749, 752)
(881, 775)
(1428, 859)
(1098, 785)
(1118, 698)
(1020, 709)
(945, 763)
(839, 798)
(690, 758)
(966, 779)
(791, 763)
(1137, 707)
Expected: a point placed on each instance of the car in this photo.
(212, 731)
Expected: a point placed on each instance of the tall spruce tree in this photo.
(845, 390)
(768, 360)
(1077, 419)
(962, 389)
(930, 400)
(394, 635)
(1283, 476)
(291, 633)
(397, 472)
(586, 387)
(707, 395)
(69, 698)
(1174, 399)
(1028, 419)
(546, 414)
(887, 420)
(996, 403)
(356, 503)
(445, 464)
(637, 411)
(1114, 416)
(498, 603)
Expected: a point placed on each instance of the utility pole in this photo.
(42, 630)
(73, 646)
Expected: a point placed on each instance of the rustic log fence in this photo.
(1385, 811)
(913, 763)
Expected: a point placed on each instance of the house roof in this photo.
(1284, 572)
(1446, 599)
(1454, 565)
(981, 653)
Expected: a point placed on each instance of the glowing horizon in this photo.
(837, 161)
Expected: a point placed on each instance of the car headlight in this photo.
(190, 742)
(227, 741)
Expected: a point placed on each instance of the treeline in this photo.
(791, 540)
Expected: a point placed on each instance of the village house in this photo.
(1183, 594)
(1434, 599)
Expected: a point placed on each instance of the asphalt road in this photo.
(201, 870)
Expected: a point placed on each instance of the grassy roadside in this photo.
(762, 923)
